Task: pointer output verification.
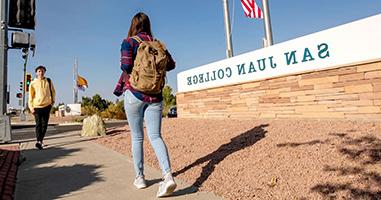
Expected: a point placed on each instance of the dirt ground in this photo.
(270, 159)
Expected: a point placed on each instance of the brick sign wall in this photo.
(334, 73)
(348, 92)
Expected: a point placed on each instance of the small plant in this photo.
(114, 111)
(90, 110)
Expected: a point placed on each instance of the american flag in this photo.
(251, 9)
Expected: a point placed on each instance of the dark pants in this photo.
(41, 116)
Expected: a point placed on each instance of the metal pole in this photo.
(24, 81)
(229, 50)
(22, 114)
(267, 22)
(3, 55)
(75, 88)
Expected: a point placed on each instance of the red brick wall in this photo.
(346, 92)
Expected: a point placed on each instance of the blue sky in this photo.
(194, 32)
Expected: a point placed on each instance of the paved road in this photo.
(24, 132)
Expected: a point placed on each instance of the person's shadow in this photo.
(237, 143)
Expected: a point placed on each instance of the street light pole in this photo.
(3, 55)
(22, 115)
(5, 121)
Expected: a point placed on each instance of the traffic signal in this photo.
(19, 95)
(22, 13)
(25, 53)
(28, 80)
(21, 86)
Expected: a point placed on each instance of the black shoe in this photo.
(39, 146)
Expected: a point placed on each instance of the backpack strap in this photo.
(138, 39)
(50, 87)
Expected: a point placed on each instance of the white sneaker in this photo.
(167, 186)
(140, 182)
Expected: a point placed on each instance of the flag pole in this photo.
(267, 23)
(229, 50)
(75, 88)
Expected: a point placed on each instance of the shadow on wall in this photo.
(55, 181)
(237, 143)
(364, 152)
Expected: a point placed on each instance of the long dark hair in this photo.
(140, 23)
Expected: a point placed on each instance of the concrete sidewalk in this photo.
(72, 167)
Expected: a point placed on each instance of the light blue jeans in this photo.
(136, 111)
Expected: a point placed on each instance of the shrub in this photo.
(114, 111)
(90, 110)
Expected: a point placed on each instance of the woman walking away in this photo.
(145, 103)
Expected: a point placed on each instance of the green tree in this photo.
(106, 109)
(100, 103)
(96, 101)
(168, 99)
(86, 101)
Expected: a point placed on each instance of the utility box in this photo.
(23, 40)
(20, 40)
(5, 129)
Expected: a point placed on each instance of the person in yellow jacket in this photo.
(41, 99)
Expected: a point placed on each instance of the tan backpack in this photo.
(148, 73)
